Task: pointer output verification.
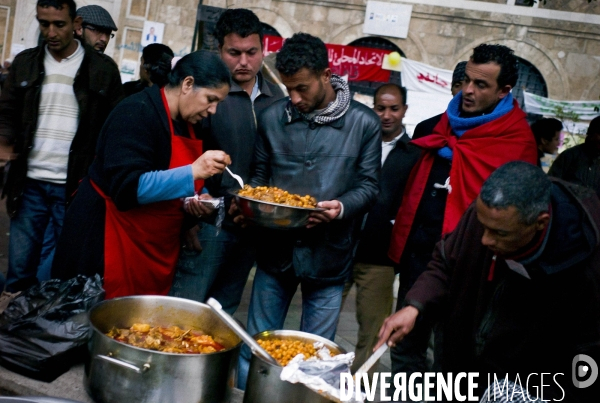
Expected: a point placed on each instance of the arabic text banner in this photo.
(271, 44)
(359, 64)
(424, 78)
(587, 110)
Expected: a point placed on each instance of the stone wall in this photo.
(7, 22)
(565, 47)
(576, 6)
(567, 53)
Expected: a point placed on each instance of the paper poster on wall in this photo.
(127, 70)
(387, 19)
(152, 32)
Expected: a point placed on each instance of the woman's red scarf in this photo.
(476, 154)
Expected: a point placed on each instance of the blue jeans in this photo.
(47, 255)
(42, 203)
(270, 301)
(220, 270)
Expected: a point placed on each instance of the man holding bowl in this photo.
(319, 142)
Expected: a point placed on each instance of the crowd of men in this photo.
(512, 286)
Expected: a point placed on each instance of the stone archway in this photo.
(377, 42)
(411, 46)
(553, 73)
(591, 90)
(345, 34)
(420, 49)
(275, 20)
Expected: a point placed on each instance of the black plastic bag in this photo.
(44, 331)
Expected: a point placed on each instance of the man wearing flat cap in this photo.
(97, 27)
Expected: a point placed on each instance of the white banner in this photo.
(423, 105)
(424, 78)
(587, 110)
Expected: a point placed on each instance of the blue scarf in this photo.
(460, 125)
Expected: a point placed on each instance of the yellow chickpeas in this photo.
(284, 350)
(276, 195)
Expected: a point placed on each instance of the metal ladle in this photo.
(239, 330)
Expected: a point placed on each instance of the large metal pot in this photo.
(119, 373)
(263, 377)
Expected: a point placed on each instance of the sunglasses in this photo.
(108, 32)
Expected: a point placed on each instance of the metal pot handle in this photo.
(124, 364)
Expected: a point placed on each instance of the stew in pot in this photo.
(166, 339)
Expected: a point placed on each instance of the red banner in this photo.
(271, 44)
(359, 64)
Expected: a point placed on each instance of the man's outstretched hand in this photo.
(397, 326)
(333, 208)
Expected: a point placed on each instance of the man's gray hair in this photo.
(518, 184)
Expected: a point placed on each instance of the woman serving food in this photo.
(126, 219)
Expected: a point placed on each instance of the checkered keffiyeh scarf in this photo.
(335, 109)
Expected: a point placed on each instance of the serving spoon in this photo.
(239, 330)
(370, 361)
(236, 177)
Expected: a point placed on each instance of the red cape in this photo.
(476, 154)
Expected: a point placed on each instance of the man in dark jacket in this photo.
(581, 164)
(321, 143)
(54, 103)
(516, 286)
(219, 264)
(373, 272)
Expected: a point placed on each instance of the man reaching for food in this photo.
(318, 142)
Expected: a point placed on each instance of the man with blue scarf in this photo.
(482, 129)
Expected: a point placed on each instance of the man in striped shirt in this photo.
(54, 104)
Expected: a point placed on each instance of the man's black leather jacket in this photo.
(338, 161)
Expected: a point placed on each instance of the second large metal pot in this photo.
(117, 372)
(264, 383)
